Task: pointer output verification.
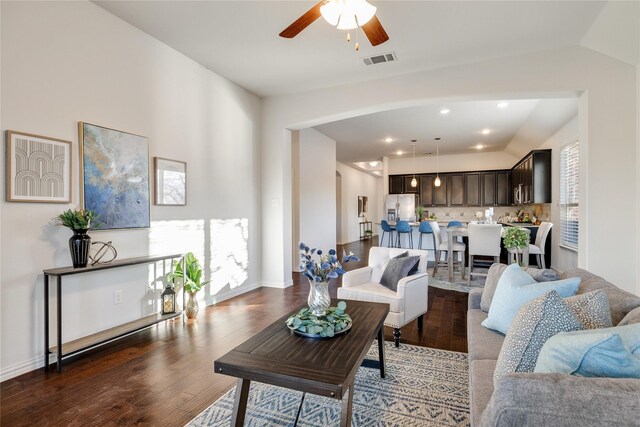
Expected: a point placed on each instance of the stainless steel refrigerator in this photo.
(400, 207)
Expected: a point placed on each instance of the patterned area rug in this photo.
(458, 284)
(423, 387)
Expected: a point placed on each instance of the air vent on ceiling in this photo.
(380, 59)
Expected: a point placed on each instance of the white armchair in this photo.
(408, 303)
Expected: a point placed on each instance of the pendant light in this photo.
(437, 182)
(414, 181)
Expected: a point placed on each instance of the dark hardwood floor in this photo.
(164, 375)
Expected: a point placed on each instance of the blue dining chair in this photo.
(425, 228)
(386, 228)
(403, 227)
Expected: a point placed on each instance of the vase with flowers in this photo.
(80, 221)
(319, 272)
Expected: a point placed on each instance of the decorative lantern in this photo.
(168, 300)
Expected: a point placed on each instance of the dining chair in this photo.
(442, 246)
(386, 228)
(484, 240)
(403, 227)
(537, 248)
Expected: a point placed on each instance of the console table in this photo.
(365, 230)
(72, 347)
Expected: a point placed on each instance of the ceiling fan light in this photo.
(347, 14)
(330, 11)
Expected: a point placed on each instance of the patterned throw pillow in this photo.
(396, 269)
(534, 324)
(592, 309)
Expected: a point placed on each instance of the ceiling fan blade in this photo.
(303, 22)
(374, 31)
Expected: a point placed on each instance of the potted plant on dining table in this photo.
(516, 240)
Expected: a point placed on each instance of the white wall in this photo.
(606, 107)
(317, 196)
(357, 183)
(64, 62)
(562, 259)
(453, 163)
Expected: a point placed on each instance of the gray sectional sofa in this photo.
(535, 399)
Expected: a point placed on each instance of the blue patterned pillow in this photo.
(516, 288)
(608, 352)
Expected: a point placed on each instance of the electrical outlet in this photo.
(447, 214)
(117, 297)
(461, 213)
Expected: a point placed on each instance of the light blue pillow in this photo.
(609, 352)
(515, 288)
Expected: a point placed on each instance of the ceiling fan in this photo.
(344, 15)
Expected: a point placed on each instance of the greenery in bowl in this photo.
(515, 238)
(334, 322)
(78, 219)
(192, 275)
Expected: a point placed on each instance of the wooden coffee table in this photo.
(326, 367)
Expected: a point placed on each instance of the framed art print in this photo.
(115, 176)
(38, 168)
(171, 182)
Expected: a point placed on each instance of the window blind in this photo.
(569, 194)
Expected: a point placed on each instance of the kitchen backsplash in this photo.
(542, 211)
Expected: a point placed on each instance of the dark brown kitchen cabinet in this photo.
(396, 184)
(407, 184)
(427, 190)
(531, 178)
(456, 189)
(472, 189)
(488, 180)
(503, 189)
(430, 195)
(440, 193)
(495, 188)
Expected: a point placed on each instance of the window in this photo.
(569, 194)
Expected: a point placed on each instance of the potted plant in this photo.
(80, 221)
(189, 271)
(515, 240)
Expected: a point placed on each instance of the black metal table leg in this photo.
(46, 322)
(59, 319)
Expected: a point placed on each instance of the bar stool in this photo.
(386, 228)
(403, 227)
(441, 246)
(425, 228)
(456, 223)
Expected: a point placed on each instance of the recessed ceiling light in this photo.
(445, 111)
(479, 147)
(388, 140)
(373, 164)
(503, 104)
(399, 153)
(486, 131)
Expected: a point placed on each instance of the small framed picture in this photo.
(38, 168)
(171, 182)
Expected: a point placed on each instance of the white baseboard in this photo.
(280, 285)
(233, 293)
(21, 368)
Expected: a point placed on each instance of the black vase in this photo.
(79, 245)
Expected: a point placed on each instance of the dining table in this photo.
(453, 232)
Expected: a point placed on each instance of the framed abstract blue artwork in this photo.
(115, 176)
